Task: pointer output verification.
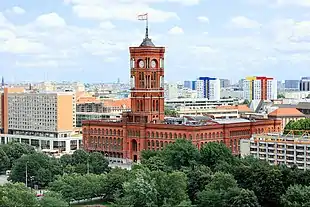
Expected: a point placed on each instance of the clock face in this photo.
(153, 64)
(141, 64)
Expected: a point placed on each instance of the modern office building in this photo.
(291, 85)
(209, 88)
(304, 84)
(190, 85)
(279, 149)
(45, 120)
(260, 88)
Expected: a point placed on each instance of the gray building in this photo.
(304, 84)
(225, 83)
(291, 84)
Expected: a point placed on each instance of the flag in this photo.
(142, 17)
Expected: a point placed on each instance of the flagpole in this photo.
(147, 26)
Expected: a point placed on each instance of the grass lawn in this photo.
(97, 202)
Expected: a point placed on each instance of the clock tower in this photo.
(147, 82)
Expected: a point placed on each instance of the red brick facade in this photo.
(143, 127)
(127, 140)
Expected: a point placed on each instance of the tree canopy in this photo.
(179, 175)
(299, 126)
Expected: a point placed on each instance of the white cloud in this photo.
(17, 10)
(107, 25)
(203, 49)
(203, 19)
(121, 10)
(6, 34)
(176, 31)
(21, 45)
(244, 22)
(50, 20)
(304, 3)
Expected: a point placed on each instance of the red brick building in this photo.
(145, 126)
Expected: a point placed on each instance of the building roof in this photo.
(87, 99)
(241, 108)
(232, 121)
(147, 42)
(286, 112)
(303, 105)
(119, 103)
(285, 105)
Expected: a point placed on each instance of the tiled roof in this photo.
(286, 112)
(120, 103)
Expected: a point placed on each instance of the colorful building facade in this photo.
(260, 88)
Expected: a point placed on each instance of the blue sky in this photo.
(88, 40)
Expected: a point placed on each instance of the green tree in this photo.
(15, 150)
(41, 169)
(223, 191)
(171, 112)
(213, 153)
(66, 160)
(79, 157)
(79, 187)
(197, 177)
(246, 102)
(4, 161)
(266, 181)
(139, 191)
(296, 196)
(281, 96)
(181, 153)
(113, 187)
(52, 199)
(98, 163)
(16, 195)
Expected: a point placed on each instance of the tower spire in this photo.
(147, 42)
(147, 27)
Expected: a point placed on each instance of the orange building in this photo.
(44, 120)
(145, 127)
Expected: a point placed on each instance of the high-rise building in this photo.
(304, 84)
(260, 88)
(190, 85)
(208, 88)
(171, 91)
(225, 83)
(291, 84)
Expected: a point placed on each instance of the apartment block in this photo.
(209, 88)
(304, 84)
(45, 120)
(260, 88)
(279, 149)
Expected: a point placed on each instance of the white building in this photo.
(279, 149)
(209, 88)
(171, 91)
(260, 88)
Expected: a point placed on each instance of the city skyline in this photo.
(88, 40)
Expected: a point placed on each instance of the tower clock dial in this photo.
(153, 64)
(141, 63)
